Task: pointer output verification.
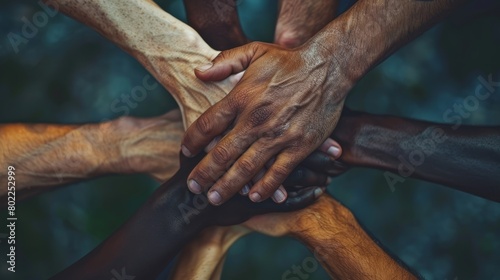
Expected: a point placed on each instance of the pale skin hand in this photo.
(289, 101)
(48, 155)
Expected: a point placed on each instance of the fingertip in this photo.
(280, 195)
(318, 192)
(194, 187)
(186, 152)
(331, 148)
(215, 198)
(255, 197)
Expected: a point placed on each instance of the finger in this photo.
(227, 63)
(321, 163)
(216, 163)
(295, 201)
(280, 195)
(302, 176)
(209, 125)
(331, 148)
(273, 178)
(304, 198)
(246, 189)
(240, 173)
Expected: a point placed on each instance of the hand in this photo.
(285, 106)
(281, 224)
(299, 20)
(239, 208)
(147, 145)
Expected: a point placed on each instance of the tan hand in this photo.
(285, 106)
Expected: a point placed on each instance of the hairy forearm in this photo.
(45, 155)
(166, 47)
(371, 30)
(344, 249)
(466, 158)
(203, 258)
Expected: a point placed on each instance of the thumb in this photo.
(227, 63)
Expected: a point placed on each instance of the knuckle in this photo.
(268, 188)
(221, 155)
(224, 188)
(204, 176)
(279, 173)
(204, 125)
(246, 168)
(259, 116)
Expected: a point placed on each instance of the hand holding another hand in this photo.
(286, 104)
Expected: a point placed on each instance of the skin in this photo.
(48, 155)
(217, 22)
(289, 101)
(465, 158)
(299, 20)
(168, 49)
(163, 228)
(327, 228)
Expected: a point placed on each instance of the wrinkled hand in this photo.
(148, 145)
(299, 20)
(284, 107)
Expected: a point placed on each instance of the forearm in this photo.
(465, 158)
(147, 242)
(166, 47)
(371, 30)
(203, 258)
(217, 22)
(45, 155)
(344, 249)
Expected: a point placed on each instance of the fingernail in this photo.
(333, 151)
(279, 196)
(255, 197)
(318, 192)
(194, 187)
(205, 67)
(212, 144)
(215, 198)
(185, 151)
(245, 190)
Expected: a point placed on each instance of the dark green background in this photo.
(68, 73)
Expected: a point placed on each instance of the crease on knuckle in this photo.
(246, 168)
(259, 116)
(204, 125)
(224, 188)
(221, 155)
(204, 177)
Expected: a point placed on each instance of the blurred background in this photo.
(68, 73)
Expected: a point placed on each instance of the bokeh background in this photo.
(68, 73)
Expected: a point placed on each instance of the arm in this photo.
(299, 20)
(289, 101)
(47, 155)
(165, 223)
(465, 158)
(203, 258)
(165, 46)
(337, 240)
(217, 22)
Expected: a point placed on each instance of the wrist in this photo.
(325, 221)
